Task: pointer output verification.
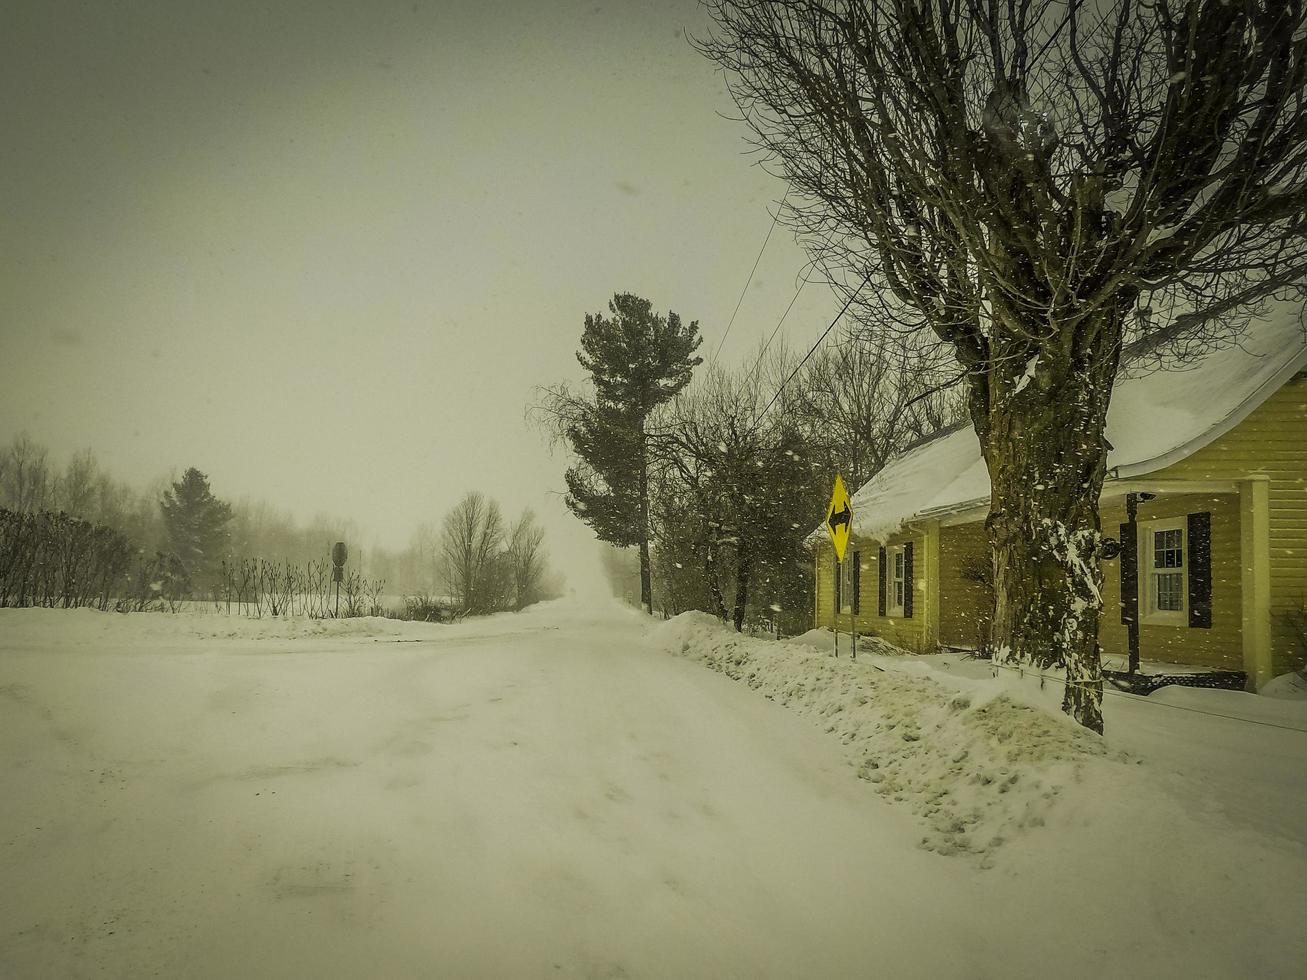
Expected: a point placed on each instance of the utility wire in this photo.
(843, 309)
(775, 330)
(775, 218)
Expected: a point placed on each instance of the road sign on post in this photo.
(839, 522)
(839, 518)
(338, 556)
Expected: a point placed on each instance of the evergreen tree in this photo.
(196, 522)
(637, 361)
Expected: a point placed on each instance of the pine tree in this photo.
(637, 361)
(196, 522)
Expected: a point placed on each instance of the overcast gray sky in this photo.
(324, 251)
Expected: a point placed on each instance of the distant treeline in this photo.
(74, 536)
(57, 561)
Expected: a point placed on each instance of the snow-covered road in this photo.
(540, 795)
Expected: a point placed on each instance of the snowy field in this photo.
(580, 792)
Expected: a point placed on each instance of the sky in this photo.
(325, 251)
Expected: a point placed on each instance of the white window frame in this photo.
(1148, 611)
(846, 581)
(896, 570)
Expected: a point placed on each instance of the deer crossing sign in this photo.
(839, 518)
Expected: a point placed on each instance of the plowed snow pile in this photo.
(976, 766)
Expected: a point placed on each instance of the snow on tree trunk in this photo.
(1043, 436)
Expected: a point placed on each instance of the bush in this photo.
(256, 586)
(49, 559)
(160, 584)
(424, 608)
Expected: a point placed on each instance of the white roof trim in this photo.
(1249, 405)
(1154, 422)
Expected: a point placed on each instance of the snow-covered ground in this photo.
(568, 792)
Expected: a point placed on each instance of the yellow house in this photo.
(1212, 461)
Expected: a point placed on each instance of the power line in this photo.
(775, 330)
(775, 218)
(843, 309)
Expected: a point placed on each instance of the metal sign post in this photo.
(839, 601)
(853, 623)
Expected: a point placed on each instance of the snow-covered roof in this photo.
(1154, 420)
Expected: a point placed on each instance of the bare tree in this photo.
(25, 480)
(77, 489)
(526, 559)
(471, 539)
(425, 546)
(1040, 186)
(740, 478)
(862, 401)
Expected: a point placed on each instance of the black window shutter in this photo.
(880, 603)
(1200, 570)
(836, 591)
(857, 582)
(908, 582)
(1129, 573)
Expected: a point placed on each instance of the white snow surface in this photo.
(1187, 818)
(1291, 686)
(976, 766)
(1154, 419)
(551, 794)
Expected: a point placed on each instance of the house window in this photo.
(896, 580)
(1164, 567)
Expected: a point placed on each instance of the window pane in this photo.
(1168, 548)
(898, 594)
(898, 564)
(1169, 591)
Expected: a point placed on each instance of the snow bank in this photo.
(87, 625)
(92, 627)
(976, 766)
(1291, 687)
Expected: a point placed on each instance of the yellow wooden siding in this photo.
(906, 633)
(966, 606)
(965, 612)
(1272, 440)
(825, 584)
(1221, 645)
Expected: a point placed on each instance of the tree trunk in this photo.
(714, 583)
(1046, 452)
(646, 575)
(646, 579)
(743, 560)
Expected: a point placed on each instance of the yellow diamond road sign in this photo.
(839, 518)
